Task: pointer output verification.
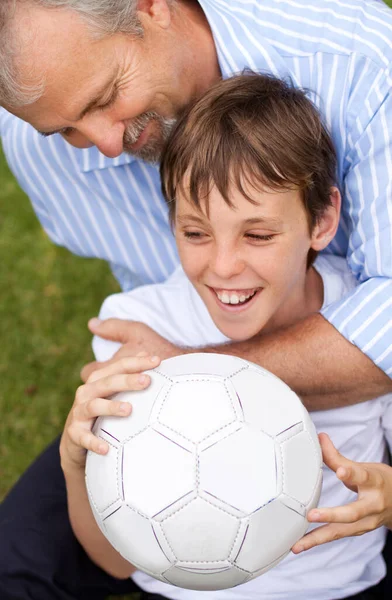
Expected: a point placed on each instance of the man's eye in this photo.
(64, 131)
(110, 102)
(67, 131)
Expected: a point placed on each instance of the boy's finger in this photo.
(101, 407)
(125, 365)
(89, 441)
(355, 475)
(90, 368)
(113, 384)
(350, 513)
(325, 534)
(332, 458)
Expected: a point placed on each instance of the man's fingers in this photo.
(350, 513)
(116, 330)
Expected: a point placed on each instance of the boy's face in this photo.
(248, 264)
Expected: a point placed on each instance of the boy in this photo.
(249, 174)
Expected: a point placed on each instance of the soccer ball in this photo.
(207, 483)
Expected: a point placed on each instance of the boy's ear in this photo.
(324, 231)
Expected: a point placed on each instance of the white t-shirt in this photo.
(328, 572)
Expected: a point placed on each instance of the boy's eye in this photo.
(193, 235)
(260, 237)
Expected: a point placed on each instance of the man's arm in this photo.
(318, 363)
(323, 368)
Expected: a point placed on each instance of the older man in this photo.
(111, 76)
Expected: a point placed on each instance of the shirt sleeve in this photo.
(386, 419)
(364, 317)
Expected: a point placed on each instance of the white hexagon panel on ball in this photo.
(156, 472)
(200, 533)
(246, 457)
(190, 400)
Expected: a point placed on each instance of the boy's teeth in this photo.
(233, 298)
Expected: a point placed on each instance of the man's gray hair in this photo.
(105, 17)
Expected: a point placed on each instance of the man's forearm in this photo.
(311, 356)
(317, 362)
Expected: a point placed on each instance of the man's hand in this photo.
(135, 337)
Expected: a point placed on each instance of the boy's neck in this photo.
(311, 302)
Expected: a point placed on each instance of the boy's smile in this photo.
(235, 300)
(248, 262)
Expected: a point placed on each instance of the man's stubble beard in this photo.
(151, 151)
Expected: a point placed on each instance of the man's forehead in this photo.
(46, 38)
(67, 61)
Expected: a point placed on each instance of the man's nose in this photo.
(106, 136)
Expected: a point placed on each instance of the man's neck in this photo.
(193, 23)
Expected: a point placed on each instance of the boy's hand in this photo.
(92, 401)
(372, 509)
(134, 337)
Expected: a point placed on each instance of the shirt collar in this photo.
(91, 159)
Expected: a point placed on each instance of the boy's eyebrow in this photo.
(267, 220)
(251, 221)
(183, 218)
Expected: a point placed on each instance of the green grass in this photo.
(47, 296)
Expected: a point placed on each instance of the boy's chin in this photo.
(239, 334)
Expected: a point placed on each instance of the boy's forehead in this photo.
(271, 207)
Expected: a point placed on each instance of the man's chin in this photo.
(150, 152)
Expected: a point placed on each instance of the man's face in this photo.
(117, 92)
(248, 264)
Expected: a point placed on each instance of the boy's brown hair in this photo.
(250, 128)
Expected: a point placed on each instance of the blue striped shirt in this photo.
(341, 50)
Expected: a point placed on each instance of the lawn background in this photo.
(47, 296)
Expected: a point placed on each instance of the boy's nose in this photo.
(226, 264)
